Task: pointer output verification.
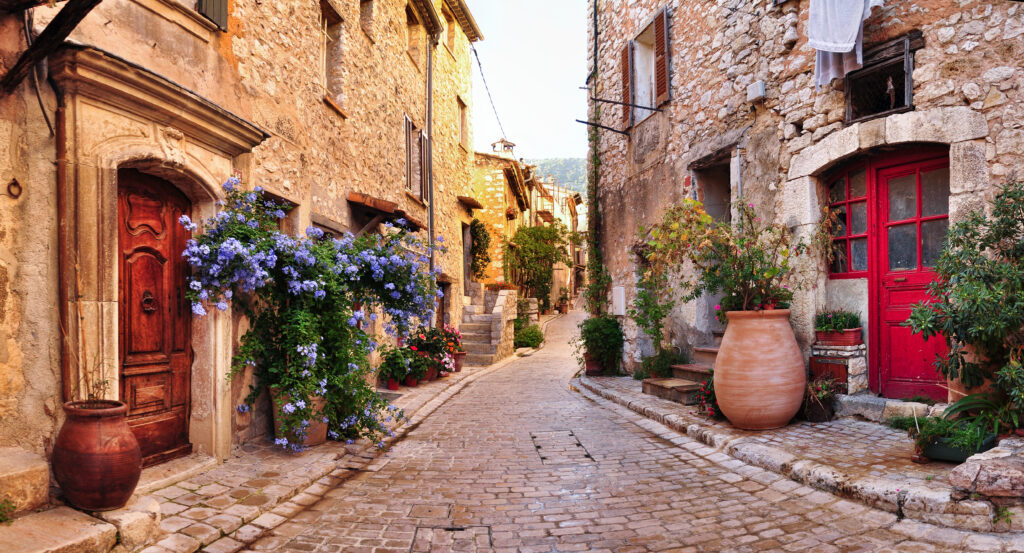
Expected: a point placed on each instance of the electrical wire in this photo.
(27, 24)
(487, 88)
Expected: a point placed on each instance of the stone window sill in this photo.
(334, 106)
(419, 201)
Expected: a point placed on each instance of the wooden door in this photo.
(911, 217)
(155, 322)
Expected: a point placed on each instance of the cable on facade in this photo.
(488, 89)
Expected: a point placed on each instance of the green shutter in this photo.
(216, 11)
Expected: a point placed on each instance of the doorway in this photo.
(155, 320)
(893, 216)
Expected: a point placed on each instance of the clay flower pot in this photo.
(392, 384)
(848, 337)
(431, 373)
(759, 373)
(460, 359)
(316, 432)
(96, 458)
(411, 381)
(593, 367)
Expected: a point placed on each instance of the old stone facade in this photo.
(720, 139)
(503, 186)
(313, 101)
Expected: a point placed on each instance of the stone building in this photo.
(503, 186)
(353, 112)
(553, 202)
(725, 110)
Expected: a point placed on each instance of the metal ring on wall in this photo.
(14, 188)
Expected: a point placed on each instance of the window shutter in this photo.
(627, 84)
(661, 69)
(408, 154)
(216, 11)
(424, 165)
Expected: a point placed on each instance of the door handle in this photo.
(900, 279)
(148, 302)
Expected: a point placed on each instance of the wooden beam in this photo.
(10, 6)
(47, 42)
(371, 225)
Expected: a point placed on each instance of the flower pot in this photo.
(411, 381)
(392, 384)
(460, 359)
(593, 367)
(760, 377)
(815, 411)
(431, 374)
(96, 458)
(940, 450)
(848, 337)
(316, 432)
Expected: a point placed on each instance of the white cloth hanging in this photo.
(835, 28)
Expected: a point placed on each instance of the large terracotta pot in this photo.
(955, 390)
(460, 360)
(593, 367)
(316, 433)
(759, 373)
(96, 458)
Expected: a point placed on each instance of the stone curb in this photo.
(933, 508)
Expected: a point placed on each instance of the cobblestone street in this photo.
(519, 462)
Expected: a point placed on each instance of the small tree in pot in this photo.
(599, 345)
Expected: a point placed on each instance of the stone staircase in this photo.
(683, 385)
(477, 326)
(39, 526)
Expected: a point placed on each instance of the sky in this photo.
(534, 56)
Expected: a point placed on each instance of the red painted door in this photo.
(155, 329)
(911, 217)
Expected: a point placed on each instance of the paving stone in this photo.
(180, 543)
(223, 545)
(203, 532)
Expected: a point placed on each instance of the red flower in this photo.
(413, 348)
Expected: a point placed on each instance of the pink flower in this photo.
(718, 307)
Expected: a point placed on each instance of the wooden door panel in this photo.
(156, 357)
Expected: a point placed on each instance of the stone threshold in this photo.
(222, 508)
(931, 506)
(878, 409)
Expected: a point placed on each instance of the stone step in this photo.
(472, 309)
(705, 355)
(672, 389)
(477, 347)
(717, 335)
(479, 359)
(24, 479)
(60, 530)
(478, 318)
(479, 337)
(475, 327)
(692, 371)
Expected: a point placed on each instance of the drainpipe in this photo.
(430, 143)
(67, 390)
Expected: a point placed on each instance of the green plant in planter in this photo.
(836, 320)
(660, 364)
(977, 296)
(480, 249)
(601, 338)
(306, 337)
(395, 363)
(750, 261)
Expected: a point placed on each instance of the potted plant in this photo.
(563, 301)
(394, 366)
(819, 405)
(306, 300)
(837, 328)
(749, 262)
(952, 440)
(600, 344)
(453, 341)
(418, 366)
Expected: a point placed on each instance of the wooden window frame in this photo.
(879, 58)
(847, 202)
(660, 26)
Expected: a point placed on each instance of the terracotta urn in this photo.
(316, 433)
(96, 458)
(759, 373)
(460, 360)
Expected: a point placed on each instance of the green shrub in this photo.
(601, 338)
(480, 249)
(529, 337)
(660, 365)
(836, 320)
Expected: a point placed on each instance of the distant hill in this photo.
(570, 172)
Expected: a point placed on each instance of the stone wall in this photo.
(967, 93)
(264, 70)
(492, 189)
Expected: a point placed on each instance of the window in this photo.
(645, 71)
(414, 36)
(366, 17)
(885, 84)
(331, 68)
(463, 123)
(848, 198)
(214, 10)
(715, 189)
(450, 29)
(417, 150)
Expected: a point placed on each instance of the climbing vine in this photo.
(598, 279)
(480, 250)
